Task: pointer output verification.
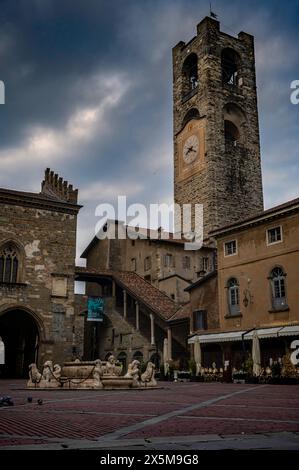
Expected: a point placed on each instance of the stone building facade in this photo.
(216, 133)
(37, 260)
(138, 321)
(256, 289)
(158, 257)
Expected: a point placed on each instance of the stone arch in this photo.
(234, 124)
(155, 358)
(22, 332)
(123, 358)
(190, 73)
(230, 66)
(36, 317)
(193, 113)
(138, 355)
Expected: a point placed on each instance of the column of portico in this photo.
(125, 303)
(152, 329)
(169, 341)
(137, 315)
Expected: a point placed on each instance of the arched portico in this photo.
(21, 331)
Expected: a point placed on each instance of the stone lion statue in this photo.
(34, 376)
(98, 372)
(134, 372)
(148, 377)
(57, 371)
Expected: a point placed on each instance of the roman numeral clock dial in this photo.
(190, 149)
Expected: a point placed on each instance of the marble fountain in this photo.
(91, 375)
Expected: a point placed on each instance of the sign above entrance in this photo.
(95, 310)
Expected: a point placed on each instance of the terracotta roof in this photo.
(182, 313)
(200, 281)
(144, 291)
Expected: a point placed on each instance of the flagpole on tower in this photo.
(212, 14)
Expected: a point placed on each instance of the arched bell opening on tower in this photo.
(230, 65)
(193, 113)
(190, 74)
(231, 133)
(234, 125)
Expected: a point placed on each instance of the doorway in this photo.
(20, 334)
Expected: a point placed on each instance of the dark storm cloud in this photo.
(88, 92)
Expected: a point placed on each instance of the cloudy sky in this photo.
(89, 94)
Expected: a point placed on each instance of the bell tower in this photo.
(216, 132)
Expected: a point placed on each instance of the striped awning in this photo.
(262, 333)
(289, 331)
(218, 337)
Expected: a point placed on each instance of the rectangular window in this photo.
(230, 248)
(133, 264)
(147, 263)
(200, 320)
(274, 235)
(168, 261)
(205, 263)
(186, 262)
(234, 297)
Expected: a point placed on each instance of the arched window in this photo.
(278, 288)
(190, 74)
(9, 264)
(193, 113)
(230, 65)
(138, 356)
(156, 359)
(233, 296)
(231, 132)
(122, 357)
(234, 125)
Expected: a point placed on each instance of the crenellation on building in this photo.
(221, 168)
(41, 238)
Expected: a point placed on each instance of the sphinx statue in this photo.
(148, 377)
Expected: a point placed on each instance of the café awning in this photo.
(274, 332)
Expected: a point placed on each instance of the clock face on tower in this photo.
(191, 149)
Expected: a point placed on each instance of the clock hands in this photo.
(190, 149)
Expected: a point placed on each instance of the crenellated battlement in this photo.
(54, 185)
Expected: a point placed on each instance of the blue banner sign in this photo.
(95, 309)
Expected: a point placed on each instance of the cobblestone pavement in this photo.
(178, 416)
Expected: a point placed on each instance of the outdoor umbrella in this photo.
(256, 354)
(197, 355)
(165, 356)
